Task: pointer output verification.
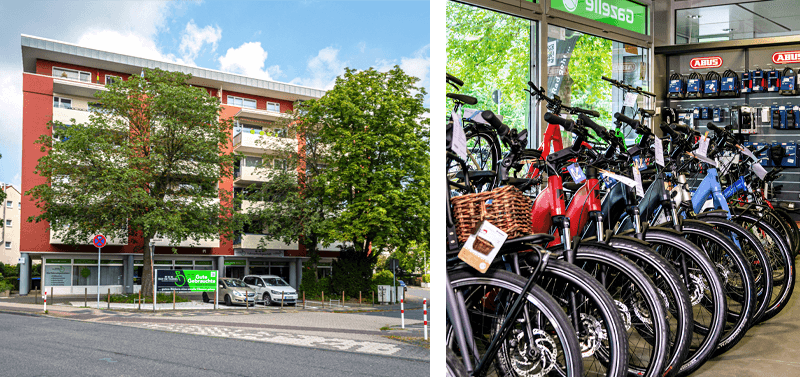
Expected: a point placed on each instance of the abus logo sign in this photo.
(708, 62)
(785, 57)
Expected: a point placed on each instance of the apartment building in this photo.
(59, 82)
(9, 233)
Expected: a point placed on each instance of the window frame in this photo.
(9, 223)
(112, 76)
(274, 104)
(231, 100)
(8, 245)
(72, 70)
(61, 102)
(9, 204)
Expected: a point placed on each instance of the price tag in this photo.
(625, 180)
(759, 170)
(765, 115)
(481, 248)
(475, 116)
(459, 138)
(659, 152)
(704, 159)
(630, 99)
(637, 178)
(577, 173)
(746, 151)
(703, 148)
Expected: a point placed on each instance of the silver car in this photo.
(271, 289)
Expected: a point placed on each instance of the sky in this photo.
(307, 43)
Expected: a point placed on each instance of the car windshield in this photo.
(235, 283)
(275, 282)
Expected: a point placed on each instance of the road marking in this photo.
(276, 337)
(108, 359)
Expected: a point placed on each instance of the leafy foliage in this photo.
(147, 164)
(383, 277)
(352, 271)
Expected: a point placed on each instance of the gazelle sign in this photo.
(622, 13)
(707, 62)
(786, 57)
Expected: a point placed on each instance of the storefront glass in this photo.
(576, 64)
(492, 53)
(746, 20)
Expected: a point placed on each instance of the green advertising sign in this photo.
(234, 263)
(59, 261)
(621, 13)
(186, 280)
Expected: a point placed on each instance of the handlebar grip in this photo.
(591, 113)
(665, 128)
(713, 127)
(555, 119)
(629, 121)
(598, 129)
(454, 79)
(494, 121)
(682, 129)
(762, 150)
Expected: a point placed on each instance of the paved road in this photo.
(415, 296)
(35, 346)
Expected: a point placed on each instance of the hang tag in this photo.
(746, 151)
(481, 248)
(630, 99)
(625, 180)
(703, 148)
(577, 173)
(475, 116)
(759, 170)
(637, 178)
(659, 152)
(765, 115)
(459, 138)
(704, 159)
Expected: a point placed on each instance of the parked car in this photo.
(233, 291)
(270, 288)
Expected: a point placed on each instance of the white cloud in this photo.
(193, 38)
(127, 43)
(417, 65)
(323, 69)
(249, 60)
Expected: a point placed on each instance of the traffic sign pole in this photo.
(99, 241)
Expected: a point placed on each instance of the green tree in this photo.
(352, 272)
(413, 258)
(377, 170)
(147, 164)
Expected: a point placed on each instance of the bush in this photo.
(4, 286)
(384, 277)
(426, 278)
(352, 272)
(11, 281)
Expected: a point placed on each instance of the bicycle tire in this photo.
(701, 275)
(673, 291)
(455, 368)
(759, 261)
(642, 307)
(483, 154)
(737, 279)
(792, 225)
(496, 287)
(780, 256)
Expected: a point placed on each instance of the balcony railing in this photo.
(255, 142)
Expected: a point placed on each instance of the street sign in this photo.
(186, 280)
(99, 241)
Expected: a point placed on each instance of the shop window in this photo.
(87, 275)
(576, 63)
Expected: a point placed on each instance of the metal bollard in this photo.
(85, 296)
(140, 299)
(173, 300)
(373, 298)
(342, 298)
(109, 298)
(425, 317)
(304, 299)
(281, 301)
(323, 299)
(45, 301)
(359, 298)
(402, 315)
(51, 294)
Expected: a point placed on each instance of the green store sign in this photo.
(186, 280)
(621, 13)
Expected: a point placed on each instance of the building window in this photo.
(10, 204)
(273, 106)
(242, 102)
(8, 223)
(8, 245)
(72, 74)
(20, 205)
(64, 103)
(112, 79)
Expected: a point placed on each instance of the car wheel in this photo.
(205, 298)
(228, 300)
(267, 299)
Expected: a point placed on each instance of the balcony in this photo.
(249, 205)
(65, 115)
(256, 143)
(247, 175)
(251, 241)
(111, 241)
(262, 114)
(76, 87)
(203, 243)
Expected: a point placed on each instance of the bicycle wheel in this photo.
(781, 260)
(672, 291)
(594, 314)
(455, 368)
(793, 230)
(737, 278)
(703, 284)
(483, 152)
(756, 256)
(545, 346)
(639, 303)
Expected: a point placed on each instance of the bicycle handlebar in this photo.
(631, 122)
(494, 121)
(598, 129)
(628, 87)
(454, 79)
(555, 119)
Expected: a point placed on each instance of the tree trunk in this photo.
(147, 270)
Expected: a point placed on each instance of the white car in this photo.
(270, 289)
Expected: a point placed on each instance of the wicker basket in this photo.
(482, 246)
(508, 210)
